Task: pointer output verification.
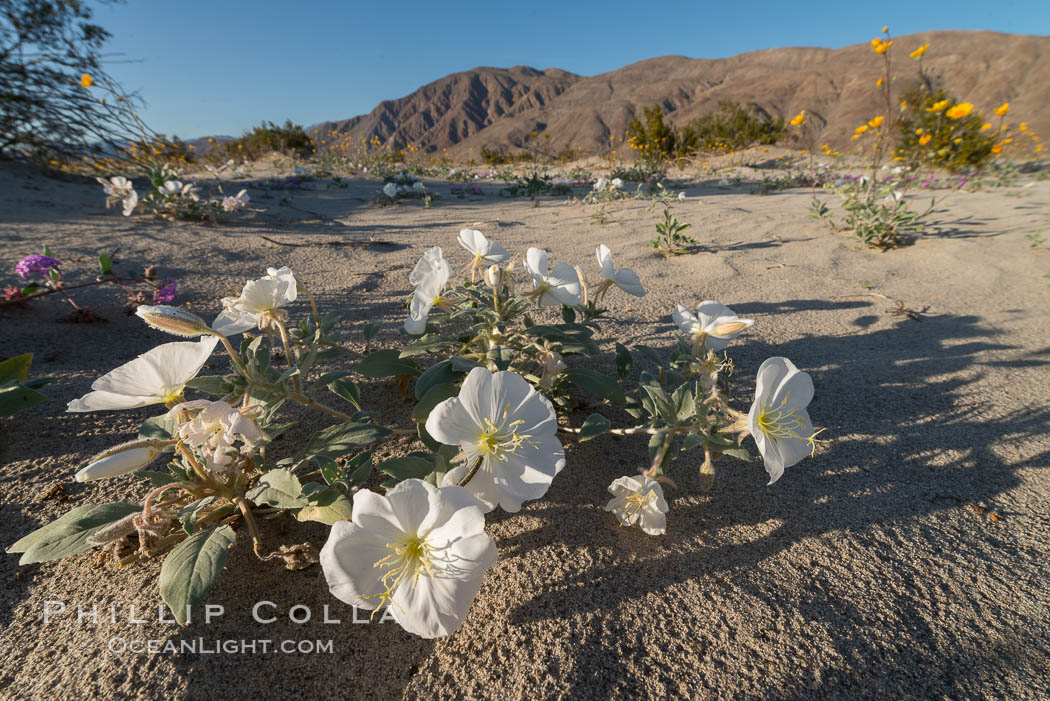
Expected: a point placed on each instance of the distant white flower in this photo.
(778, 419)
(715, 322)
(483, 250)
(724, 182)
(418, 186)
(600, 184)
(499, 419)
(681, 196)
(175, 188)
(213, 428)
(432, 275)
(158, 376)
(626, 279)
(418, 549)
(116, 188)
(431, 260)
(259, 304)
(616, 183)
(130, 202)
(390, 190)
(122, 459)
(560, 286)
(639, 500)
(232, 204)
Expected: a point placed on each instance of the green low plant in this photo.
(17, 391)
(671, 239)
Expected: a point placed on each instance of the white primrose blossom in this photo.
(390, 190)
(483, 250)
(116, 188)
(176, 188)
(713, 323)
(560, 286)
(494, 276)
(778, 419)
(259, 304)
(501, 421)
(430, 277)
(158, 376)
(213, 428)
(626, 279)
(420, 550)
(238, 201)
(639, 500)
(130, 202)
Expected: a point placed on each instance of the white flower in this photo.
(420, 550)
(616, 183)
(431, 260)
(418, 186)
(560, 286)
(626, 279)
(715, 322)
(778, 419)
(158, 376)
(390, 190)
(484, 251)
(122, 459)
(130, 202)
(259, 303)
(232, 204)
(433, 274)
(116, 188)
(639, 500)
(600, 184)
(553, 365)
(213, 428)
(175, 188)
(499, 419)
(681, 196)
(494, 276)
(724, 182)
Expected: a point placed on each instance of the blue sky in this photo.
(221, 66)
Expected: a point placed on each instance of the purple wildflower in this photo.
(39, 265)
(165, 294)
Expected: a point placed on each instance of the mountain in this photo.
(500, 108)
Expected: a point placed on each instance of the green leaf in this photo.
(336, 441)
(188, 514)
(655, 445)
(597, 384)
(158, 479)
(651, 354)
(500, 356)
(594, 426)
(68, 535)
(428, 343)
(623, 360)
(156, 427)
(568, 314)
(105, 263)
(435, 396)
(408, 467)
(442, 463)
(359, 469)
(684, 403)
(278, 488)
(18, 398)
(16, 369)
(370, 330)
(211, 384)
(348, 390)
(437, 374)
(191, 569)
(386, 363)
(326, 506)
(663, 404)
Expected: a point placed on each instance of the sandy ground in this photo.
(866, 572)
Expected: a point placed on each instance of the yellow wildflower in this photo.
(918, 132)
(924, 139)
(997, 149)
(861, 129)
(1023, 126)
(937, 106)
(799, 119)
(881, 46)
(986, 126)
(1002, 109)
(919, 51)
(885, 29)
(959, 111)
(86, 81)
(878, 83)
(875, 122)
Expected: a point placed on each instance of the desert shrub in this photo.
(269, 137)
(495, 156)
(653, 140)
(929, 137)
(733, 126)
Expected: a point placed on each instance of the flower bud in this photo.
(122, 459)
(494, 276)
(174, 321)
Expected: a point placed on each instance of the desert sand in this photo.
(907, 559)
